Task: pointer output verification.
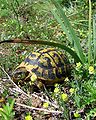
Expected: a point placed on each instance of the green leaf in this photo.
(11, 105)
(3, 114)
(89, 35)
(6, 111)
(94, 37)
(43, 42)
(66, 25)
(62, 24)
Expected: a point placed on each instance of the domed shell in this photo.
(49, 65)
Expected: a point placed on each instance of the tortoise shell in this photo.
(49, 65)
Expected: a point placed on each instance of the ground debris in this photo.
(25, 104)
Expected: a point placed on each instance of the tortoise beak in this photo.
(20, 74)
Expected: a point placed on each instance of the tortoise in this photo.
(48, 66)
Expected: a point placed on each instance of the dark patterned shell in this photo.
(49, 65)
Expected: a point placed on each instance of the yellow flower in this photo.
(66, 79)
(45, 105)
(76, 115)
(91, 70)
(95, 114)
(28, 117)
(78, 65)
(56, 90)
(72, 90)
(64, 97)
(1, 109)
(56, 85)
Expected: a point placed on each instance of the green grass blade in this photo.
(90, 35)
(62, 24)
(94, 37)
(74, 39)
(12, 105)
(43, 42)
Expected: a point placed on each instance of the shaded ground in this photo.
(25, 103)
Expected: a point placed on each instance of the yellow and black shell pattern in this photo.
(49, 65)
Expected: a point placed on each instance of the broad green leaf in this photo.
(89, 35)
(73, 38)
(62, 24)
(43, 42)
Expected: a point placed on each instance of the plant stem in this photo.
(89, 36)
(94, 37)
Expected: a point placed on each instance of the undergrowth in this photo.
(76, 98)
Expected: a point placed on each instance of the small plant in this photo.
(85, 88)
(62, 99)
(7, 113)
(28, 117)
(61, 18)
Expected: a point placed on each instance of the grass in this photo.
(7, 112)
(76, 98)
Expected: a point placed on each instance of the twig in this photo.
(18, 89)
(21, 91)
(39, 109)
(45, 100)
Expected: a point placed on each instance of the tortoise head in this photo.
(20, 74)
